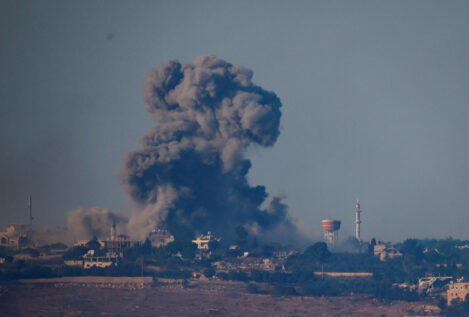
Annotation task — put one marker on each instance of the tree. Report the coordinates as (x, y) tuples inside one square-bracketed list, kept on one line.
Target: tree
[(146, 247), (75, 253), (237, 276), (317, 252), (93, 244), (186, 248), (413, 252), (209, 272), (58, 246), (371, 247), (214, 245), (445, 247), (458, 307)]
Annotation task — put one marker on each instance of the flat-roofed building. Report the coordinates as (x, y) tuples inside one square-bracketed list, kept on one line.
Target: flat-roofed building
[(90, 260), (385, 252), (203, 241), (160, 237), (457, 291), (16, 236), (120, 243)]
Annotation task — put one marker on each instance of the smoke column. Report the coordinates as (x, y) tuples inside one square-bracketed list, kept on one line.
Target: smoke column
[(94, 222), (189, 172)]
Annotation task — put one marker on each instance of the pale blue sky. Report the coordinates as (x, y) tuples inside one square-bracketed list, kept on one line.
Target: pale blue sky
[(375, 95)]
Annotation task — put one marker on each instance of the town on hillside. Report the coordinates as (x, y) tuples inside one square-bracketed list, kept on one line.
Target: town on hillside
[(430, 270)]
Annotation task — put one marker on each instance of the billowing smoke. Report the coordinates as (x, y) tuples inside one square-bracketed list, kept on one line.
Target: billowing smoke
[(189, 172), (52, 235), (86, 223)]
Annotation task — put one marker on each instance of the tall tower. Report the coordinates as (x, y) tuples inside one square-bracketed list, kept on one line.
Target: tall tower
[(113, 231), (30, 206), (357, 221), (331, 231)]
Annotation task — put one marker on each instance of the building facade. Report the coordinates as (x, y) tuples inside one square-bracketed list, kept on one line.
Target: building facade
[(203, 241), (119, 244), (385, 252), (16, 236), (160, 237), (90, 260), (457, 291)]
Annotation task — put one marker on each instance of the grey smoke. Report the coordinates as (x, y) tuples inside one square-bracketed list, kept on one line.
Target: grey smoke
[(86, 223), (189, 172), (52, 235)]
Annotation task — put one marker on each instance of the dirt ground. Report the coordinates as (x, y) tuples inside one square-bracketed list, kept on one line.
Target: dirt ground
[(212, 298)]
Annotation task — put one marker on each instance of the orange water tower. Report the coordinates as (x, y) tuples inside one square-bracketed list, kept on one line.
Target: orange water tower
[(331, 231)]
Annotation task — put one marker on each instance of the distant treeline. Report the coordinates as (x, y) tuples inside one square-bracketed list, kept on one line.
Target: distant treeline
[(178, 259)]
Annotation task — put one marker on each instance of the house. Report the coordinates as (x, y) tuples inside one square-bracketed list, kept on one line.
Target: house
[(384, 252), (457, 291), (160, 237), (120, 243), (90, 260), (203, 241), (16, 236)]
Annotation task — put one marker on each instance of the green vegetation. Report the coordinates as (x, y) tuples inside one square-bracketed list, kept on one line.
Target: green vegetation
[(457, 307), (180, 259), (209, 272), (75, 253)]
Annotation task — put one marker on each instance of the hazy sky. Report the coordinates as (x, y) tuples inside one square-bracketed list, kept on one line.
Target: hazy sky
[(375, 103)]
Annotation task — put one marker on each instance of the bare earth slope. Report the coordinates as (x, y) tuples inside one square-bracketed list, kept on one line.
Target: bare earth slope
[(200, 299)]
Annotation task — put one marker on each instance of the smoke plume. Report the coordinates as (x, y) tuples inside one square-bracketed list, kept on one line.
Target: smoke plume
[(86, 223), (189, 172)]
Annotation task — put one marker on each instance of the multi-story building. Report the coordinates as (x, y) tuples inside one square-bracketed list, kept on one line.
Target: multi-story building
[(457, 291), (203, 241), (16, 236), (119, 244), (90, 260), (160, 237)]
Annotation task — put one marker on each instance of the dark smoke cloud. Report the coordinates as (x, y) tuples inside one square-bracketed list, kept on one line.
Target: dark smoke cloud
[(189, 172), (85, 223)]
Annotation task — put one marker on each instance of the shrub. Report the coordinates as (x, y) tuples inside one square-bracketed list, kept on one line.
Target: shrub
[(209, 272), (222, 275)]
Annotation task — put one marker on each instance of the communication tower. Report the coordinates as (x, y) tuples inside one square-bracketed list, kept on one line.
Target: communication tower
[(30, 207)]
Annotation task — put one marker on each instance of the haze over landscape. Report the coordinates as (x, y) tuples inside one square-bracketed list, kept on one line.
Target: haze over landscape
[(374, 105)]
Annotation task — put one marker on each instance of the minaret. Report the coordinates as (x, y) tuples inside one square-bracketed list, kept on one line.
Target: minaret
[(113, 231), (357, 221)]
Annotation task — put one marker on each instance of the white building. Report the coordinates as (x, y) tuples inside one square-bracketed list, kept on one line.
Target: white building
[(386, 252), (160, 237), (203, 241), (90, 260), (16, 236), (457, 291)]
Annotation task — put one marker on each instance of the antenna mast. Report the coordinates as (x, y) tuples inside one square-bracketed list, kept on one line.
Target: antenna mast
[(30, 206)]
